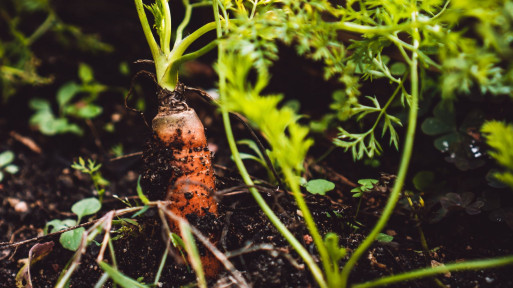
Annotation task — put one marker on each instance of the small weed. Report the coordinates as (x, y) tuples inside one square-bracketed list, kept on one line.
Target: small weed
[(84, 94), (93, 170), (366, 185), (71, 239), (6, 166)]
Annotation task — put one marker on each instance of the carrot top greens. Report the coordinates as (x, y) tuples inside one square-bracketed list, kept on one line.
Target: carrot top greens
[(167, 60)]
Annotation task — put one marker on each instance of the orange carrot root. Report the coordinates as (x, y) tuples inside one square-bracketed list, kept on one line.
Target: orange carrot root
[(187, 177)]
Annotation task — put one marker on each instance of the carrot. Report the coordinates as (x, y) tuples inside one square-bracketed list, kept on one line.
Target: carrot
[(178, 162), (181, 169)]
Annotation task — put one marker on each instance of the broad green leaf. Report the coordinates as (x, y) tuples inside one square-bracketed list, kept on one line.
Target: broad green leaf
[(6, 157), (40, 117), (71, 239), (120, 278), (398, 68), (444, 143), (382, 237), (86, 206), (85, 73), (11, 169), (58, 225), (83, 110), (319, 186), (1, 176), (66, 93), (40, 104), (423, 180), (445, 112), (435, 126), (90, 111)]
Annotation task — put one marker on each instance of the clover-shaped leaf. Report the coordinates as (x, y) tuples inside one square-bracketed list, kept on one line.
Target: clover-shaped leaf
[(86, 207), (319, 186)]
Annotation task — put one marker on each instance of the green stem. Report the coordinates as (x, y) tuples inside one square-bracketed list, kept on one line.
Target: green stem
[(185, 22), (179, 49), (389, 102), (161, 266), (403, 167), (41, 30), (310, 222), (430, 271), (165, 41), (154, 48), (310, 262), (193, 55), (167, 73)]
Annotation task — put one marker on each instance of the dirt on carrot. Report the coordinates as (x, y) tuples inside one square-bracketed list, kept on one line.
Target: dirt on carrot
[(178, 164)]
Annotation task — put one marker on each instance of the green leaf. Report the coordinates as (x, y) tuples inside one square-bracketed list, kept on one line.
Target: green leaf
[(331, 240), (71, 239), (445, 142), (319, 186), (6, 157), (66, 93), (385, 238), (356, 190), (140, 193), (423, 180), (140, 212), (85, 73), (435, 126), (11, 169), (120, 278), (40, 104), (89, 111), (367, 184), (398, 69), (1, 176), (58, 225), (86, 206)]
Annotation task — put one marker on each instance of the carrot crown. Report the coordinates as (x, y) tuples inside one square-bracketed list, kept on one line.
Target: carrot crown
[(167, 60)]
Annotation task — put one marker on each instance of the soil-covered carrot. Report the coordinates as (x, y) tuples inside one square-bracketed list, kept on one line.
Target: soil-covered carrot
[(192, 184), (178, 165)]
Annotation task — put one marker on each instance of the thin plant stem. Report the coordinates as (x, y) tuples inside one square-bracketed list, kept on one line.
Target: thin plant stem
[(154, 48), (42, 29), (403, 167), (185, 22), (161, 266), (309, 220), (310, 262), (193, 55), (192, 251), (431, 271)]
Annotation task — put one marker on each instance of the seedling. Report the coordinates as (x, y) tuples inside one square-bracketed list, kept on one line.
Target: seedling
[(366, 185), (50, 123), (6, 166), (93, 170), (71, 239)]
